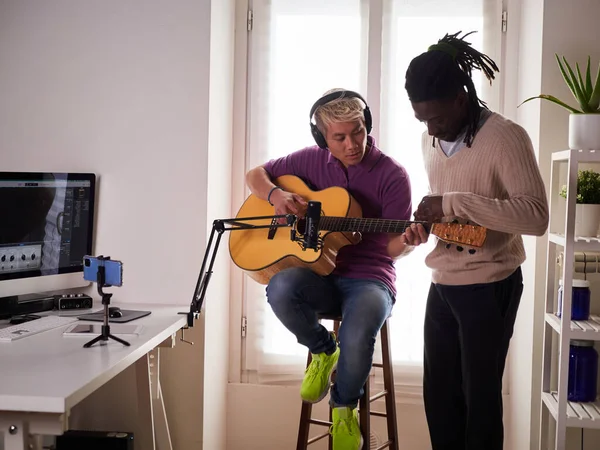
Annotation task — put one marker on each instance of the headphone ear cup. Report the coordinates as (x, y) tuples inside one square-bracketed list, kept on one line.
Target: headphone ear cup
[(368, 119), (318, 136)]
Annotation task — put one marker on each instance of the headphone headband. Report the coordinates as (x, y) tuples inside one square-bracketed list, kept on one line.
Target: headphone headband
[(318, 136)]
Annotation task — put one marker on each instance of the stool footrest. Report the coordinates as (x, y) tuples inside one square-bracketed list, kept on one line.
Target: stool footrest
[(377, 365), (386, 444), (318, 438), (324, 423), (379, 395), (378, 414)]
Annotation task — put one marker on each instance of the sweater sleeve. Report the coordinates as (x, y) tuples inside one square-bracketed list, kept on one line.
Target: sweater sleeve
[(525, 208)]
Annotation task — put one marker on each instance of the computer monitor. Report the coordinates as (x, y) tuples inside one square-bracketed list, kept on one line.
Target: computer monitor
[(46, 227)]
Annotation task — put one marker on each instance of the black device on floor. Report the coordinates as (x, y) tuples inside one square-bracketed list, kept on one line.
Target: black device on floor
[(94, 440), (127, 315)]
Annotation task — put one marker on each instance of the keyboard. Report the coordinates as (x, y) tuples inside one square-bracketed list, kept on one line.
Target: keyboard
[(22, 330)]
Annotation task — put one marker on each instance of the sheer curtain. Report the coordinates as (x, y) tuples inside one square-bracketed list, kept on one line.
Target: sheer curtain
[(297, 51)]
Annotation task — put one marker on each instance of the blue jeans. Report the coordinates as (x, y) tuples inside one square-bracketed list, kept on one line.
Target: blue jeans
[(297, 295)]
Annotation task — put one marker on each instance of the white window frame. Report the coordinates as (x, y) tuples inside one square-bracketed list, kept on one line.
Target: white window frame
[(407, 378)]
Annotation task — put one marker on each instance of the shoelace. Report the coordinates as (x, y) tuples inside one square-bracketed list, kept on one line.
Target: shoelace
[(313, 369), (342, 423)]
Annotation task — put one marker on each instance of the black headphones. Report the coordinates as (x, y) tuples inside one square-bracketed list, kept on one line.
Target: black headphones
[(317, 135)]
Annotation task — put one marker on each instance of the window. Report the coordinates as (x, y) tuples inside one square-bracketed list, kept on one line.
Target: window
[(297, 51)]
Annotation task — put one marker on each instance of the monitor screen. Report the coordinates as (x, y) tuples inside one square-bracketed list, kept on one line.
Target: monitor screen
[(46, 223)]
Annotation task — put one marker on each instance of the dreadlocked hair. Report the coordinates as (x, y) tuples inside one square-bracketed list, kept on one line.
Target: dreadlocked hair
[(444, 70)]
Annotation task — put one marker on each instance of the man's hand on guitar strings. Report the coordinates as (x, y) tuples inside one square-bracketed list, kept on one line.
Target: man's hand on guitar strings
[(415, 235), (288, 203), (430, 209)]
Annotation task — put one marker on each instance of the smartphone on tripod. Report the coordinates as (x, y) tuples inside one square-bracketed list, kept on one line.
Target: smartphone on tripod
[(113, 270)]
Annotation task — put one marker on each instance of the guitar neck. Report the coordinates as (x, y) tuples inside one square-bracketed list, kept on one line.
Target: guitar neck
[(364, 225)]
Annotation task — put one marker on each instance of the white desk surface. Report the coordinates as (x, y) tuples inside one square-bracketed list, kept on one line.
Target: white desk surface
[(50, 373)]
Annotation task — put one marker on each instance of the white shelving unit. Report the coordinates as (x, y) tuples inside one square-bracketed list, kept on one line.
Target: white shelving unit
[(565, 413)]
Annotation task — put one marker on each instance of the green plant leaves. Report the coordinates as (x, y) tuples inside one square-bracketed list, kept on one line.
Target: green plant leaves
[(554, 100), (595, 97), (585, 92), (588, 187)]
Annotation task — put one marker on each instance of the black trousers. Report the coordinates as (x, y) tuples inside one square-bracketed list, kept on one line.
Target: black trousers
[(467, 332)]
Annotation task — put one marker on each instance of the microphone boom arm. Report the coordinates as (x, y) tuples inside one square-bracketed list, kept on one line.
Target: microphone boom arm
[(219, 226)]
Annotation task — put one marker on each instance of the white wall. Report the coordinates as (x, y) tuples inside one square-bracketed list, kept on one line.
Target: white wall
[(537, 30), (124, 89), (119, 89)]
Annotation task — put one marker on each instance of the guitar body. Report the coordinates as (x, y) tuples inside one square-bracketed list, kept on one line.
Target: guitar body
[(261, 257)]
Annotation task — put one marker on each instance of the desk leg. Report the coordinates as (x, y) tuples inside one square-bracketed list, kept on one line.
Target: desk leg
[(161, 425), (16, 435), (151, 406), (145, 413)]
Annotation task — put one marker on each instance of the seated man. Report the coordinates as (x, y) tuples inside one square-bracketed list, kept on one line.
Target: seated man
[(361, 288)]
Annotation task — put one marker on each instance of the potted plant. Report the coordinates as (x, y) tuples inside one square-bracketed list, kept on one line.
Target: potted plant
[(584, 123), (587, 209)]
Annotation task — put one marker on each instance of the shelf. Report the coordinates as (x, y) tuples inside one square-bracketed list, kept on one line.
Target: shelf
[(579, 415), (582, 244), (577, 155), (587, 330)]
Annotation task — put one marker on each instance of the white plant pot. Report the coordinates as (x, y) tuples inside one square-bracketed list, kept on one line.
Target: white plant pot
[(587, 219), (584, 131)]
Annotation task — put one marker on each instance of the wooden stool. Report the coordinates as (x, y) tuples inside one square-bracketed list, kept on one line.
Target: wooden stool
[(364, 405)]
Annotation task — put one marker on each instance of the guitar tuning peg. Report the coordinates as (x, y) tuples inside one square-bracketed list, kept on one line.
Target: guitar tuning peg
[(448, 245), (459, 248), (472, 251)]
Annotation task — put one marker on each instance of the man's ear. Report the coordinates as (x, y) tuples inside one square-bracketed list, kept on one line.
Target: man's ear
[(462, 98)]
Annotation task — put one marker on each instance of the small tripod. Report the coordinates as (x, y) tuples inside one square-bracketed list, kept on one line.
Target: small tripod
[(105, 336)]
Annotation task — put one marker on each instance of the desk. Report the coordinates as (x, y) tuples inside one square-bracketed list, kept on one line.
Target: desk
[(43, 376)]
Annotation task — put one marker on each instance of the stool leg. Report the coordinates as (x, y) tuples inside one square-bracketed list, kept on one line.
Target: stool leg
[(336, 330), (305, 414), (388, 382), (364, 412)]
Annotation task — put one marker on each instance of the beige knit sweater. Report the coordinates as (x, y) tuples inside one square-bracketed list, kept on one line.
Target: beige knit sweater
[(496, 183)]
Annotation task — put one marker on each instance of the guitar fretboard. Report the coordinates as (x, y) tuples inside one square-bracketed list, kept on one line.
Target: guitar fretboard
[(364, 225)]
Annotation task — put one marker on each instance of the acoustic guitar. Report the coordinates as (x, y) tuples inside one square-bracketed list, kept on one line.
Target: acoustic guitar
[(263, 252)]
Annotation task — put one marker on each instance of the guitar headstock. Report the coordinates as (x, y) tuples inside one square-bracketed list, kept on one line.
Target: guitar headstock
[(457, 233)]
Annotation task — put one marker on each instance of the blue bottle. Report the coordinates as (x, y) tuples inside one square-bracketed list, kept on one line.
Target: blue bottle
[(580, 299), (583, 371)]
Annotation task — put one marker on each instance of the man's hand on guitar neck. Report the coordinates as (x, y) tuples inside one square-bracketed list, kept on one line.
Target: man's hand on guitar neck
[(288, 203), (430, 209), (414, 235)]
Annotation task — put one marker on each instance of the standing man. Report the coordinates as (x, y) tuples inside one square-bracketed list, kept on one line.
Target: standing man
[(362, 287), (482, 170)]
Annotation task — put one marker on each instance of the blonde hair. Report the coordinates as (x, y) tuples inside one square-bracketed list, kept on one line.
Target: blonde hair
[(342, 109)]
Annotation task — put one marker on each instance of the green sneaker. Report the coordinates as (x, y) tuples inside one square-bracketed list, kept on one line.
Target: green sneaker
[(345, 429), (317, 377)]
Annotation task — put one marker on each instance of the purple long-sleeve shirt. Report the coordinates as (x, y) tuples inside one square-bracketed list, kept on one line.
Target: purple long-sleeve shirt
[(379, 184)]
